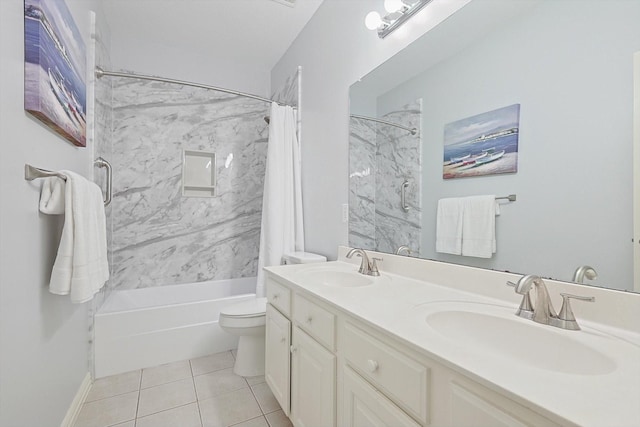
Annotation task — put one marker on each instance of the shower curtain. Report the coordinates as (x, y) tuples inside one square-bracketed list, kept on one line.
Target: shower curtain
[(282, 228)]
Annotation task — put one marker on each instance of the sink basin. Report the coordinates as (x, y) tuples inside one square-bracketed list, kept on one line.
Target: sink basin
[(339, 278), (497, 332)]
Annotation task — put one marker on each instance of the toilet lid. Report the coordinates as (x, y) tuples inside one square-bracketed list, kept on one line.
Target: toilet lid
[(254, 307)]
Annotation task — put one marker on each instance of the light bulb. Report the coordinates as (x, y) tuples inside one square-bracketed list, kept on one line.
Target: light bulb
[(392, 6), (373, 20)]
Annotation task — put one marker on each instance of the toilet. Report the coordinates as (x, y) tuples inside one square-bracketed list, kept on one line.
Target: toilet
[(247, 320)]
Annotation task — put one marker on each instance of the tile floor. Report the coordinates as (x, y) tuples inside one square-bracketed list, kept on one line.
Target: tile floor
[(201, 392)]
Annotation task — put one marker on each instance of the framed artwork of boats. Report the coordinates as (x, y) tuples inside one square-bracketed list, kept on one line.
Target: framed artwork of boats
[(55, 69), (485, 144)]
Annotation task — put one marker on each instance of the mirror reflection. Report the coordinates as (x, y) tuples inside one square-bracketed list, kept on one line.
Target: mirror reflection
[(568, 65)]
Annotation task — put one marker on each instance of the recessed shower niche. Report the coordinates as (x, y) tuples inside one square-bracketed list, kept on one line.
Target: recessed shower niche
[(198, 174)]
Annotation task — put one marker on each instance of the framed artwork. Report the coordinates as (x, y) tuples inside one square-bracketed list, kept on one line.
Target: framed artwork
[(485, 144), (55, 69)]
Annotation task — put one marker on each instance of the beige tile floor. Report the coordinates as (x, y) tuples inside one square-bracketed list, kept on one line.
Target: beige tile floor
[(201, 392)]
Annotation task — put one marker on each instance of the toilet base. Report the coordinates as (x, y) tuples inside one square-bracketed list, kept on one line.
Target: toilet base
[(250, 356)]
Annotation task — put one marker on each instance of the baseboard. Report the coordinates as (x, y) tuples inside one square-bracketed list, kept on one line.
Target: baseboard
[(78, 401)]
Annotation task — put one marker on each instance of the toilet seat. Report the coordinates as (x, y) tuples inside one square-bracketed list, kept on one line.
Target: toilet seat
[(248, 314), (252, 308)]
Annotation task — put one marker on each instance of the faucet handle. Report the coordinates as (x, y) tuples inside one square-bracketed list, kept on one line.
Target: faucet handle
[(566, 315), (526, 308), (373, 269)]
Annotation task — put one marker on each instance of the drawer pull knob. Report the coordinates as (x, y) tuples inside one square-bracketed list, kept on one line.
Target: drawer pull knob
[(293, 349), (372, 365), (276, 296), (283, 339), (309, 319)]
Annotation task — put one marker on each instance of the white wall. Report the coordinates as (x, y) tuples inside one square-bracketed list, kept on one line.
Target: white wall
[(335, 49), (43, 337), (139, 56)]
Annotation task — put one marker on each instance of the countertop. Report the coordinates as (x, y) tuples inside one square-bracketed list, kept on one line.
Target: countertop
[(397, 305)]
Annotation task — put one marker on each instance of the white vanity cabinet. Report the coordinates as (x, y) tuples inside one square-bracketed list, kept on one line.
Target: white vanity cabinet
[(302, 377), (313, 379), (327, 367), (277, 371)]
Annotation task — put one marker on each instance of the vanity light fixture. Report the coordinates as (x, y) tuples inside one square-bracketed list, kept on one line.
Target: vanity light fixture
[(398, 12)]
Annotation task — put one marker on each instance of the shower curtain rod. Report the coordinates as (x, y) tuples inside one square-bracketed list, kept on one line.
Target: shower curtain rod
[(101, 73), (413, 131)]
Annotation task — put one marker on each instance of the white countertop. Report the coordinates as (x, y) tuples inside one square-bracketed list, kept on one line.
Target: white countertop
[(398, 305)]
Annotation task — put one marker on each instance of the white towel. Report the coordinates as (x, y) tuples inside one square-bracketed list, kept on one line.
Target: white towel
[(479, 226), (449, 226), (81, 266), (52, 196)]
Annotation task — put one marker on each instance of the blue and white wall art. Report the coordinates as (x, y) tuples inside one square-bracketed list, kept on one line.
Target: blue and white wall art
[(55, 69), (485, 144)]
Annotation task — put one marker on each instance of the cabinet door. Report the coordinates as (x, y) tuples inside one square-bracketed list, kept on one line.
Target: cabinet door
[(277, 356), (313, 379), (472, 405), (364, 406)]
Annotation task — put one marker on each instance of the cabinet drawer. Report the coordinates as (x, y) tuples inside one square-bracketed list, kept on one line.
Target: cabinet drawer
[(279, 296), (399, 377), (315, 320)]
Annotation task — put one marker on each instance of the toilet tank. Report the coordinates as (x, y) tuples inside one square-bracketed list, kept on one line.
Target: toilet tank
[(302, 258)]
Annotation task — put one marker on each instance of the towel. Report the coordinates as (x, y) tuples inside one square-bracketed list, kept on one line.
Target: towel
[(81, 266), (479, 226), (52, 196), (449, 226)]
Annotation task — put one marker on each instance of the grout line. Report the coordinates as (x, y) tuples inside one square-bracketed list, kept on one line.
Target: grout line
[(256, 399), (139, 393), (165, 410), (250, 419)]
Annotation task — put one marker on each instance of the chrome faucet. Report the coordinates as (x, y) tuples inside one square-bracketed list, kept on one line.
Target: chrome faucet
[(367, 267), (584, 271), (543, 311), (404, 248)]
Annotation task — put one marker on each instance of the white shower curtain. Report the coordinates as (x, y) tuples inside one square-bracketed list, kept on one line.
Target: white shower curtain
[(282, 229)]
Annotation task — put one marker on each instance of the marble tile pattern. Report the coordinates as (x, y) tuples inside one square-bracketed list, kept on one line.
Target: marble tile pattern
[(399, 158), (381, 157), (288, 93), (159, 236), (99, 137), (362, 183)]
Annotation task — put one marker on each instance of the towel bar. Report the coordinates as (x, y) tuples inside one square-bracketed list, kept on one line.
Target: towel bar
[(31, 173), (510, 197)]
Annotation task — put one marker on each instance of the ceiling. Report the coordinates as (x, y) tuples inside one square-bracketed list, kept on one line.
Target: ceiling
[(258, 29)]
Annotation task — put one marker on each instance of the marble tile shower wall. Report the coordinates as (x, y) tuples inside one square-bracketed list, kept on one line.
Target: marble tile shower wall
[(381, 157), (399, 158), (99, 134), (362, 183), (159, 237)]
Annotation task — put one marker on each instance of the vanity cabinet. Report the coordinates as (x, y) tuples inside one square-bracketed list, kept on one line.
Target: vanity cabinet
[(327, 368), (313, 378), (277, 361), (300, 364), (364, 406)]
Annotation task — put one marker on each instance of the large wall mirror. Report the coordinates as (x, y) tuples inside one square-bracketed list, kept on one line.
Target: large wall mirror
[(569, 66)]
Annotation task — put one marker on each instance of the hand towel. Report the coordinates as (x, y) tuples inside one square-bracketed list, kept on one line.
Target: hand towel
[(81, 266), (479, 226), (449, 226), (52, 196)]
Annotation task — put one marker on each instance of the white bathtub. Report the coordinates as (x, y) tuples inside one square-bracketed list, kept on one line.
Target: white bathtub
[(141, 328)]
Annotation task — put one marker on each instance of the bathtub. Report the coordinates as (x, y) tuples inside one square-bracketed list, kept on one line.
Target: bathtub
[(141, 328)]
